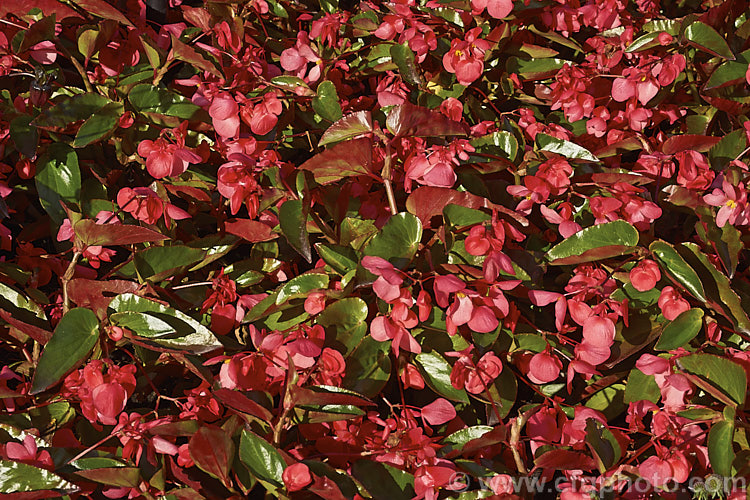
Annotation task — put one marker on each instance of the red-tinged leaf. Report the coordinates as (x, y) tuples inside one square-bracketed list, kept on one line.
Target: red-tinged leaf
[(186, 53), (103, 9), (612, 178), (96, 295), (410, 120), (345, 159), (39, 334), (426, 202), (239, 402), (212, 450), (124, 477), (327, 395), (439, 412), (179, 428), (629, 144), (197, 17), (48, 7), (700, 143), (250, 230), (348, 127), (565, 460), (683, 197), (92, 234), (42, 30)]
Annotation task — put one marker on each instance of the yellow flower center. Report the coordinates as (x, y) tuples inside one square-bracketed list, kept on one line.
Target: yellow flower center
[(459, 53), (731, 203), (644, 78), (460, 295)]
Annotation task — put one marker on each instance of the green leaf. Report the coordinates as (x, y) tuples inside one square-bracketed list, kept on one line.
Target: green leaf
[(564, 148), (71, 109), (58, 178), (17, 477), (721, 373), (609, 400), (404, 58), (534, 69), (458, 215), (645, 42), (676, 267), (603, 444), (720, 449), (25, 136), (142, 324), (383, 481), (326, 103), (190, 334), (262, 458), (292, 84), (705, 38), (397, 241), (502, 143), (368, 368), (159, 262), (348, 127), (148, 99), (729, 72), (347, 318), (723, 298), (342, 259), (681, 330), (186, 53), (728, 148), (595, 243), (301, 285), (641, 387), (457, 440), (124, 477), (293, 221), (73, 339), (99, 125), (436, 372)]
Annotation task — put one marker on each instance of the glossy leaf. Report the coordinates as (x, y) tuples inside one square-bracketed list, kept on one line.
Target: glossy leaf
[(326, 103), (124, 477), (602, 241), (190, 334), (99, 125), (705, 38), (436, 372), (676, 267), (103, 9), (397, 241), (73, 338), (404, 58), (341, 259), (384, 481), (725, 375), (188, 54), (293, 221), (348, 127), (71, 109), (410, 120), (368, 367), (24, 135), (300, 286), (147, 99), (346, 159), (160, 262), (92, 234), (720, 449), (564, 148), (681, 330), (346, 318), (212, 450), (58, 178), (264, 462), (17, 477)]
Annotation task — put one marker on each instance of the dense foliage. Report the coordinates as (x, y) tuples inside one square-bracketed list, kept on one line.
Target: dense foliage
[(381, 250)]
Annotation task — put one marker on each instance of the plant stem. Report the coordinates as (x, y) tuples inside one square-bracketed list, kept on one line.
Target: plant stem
[(387, 179), (69, 272)]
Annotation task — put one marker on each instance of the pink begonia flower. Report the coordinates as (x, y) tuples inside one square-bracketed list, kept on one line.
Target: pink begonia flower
[(474, 378), (465, 58), (635, 83), (225, 115), (498, 9), (645, 275), (671, 303), (296, 476), (733, 203), (438, 412), (387, 285), (544, 368)]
